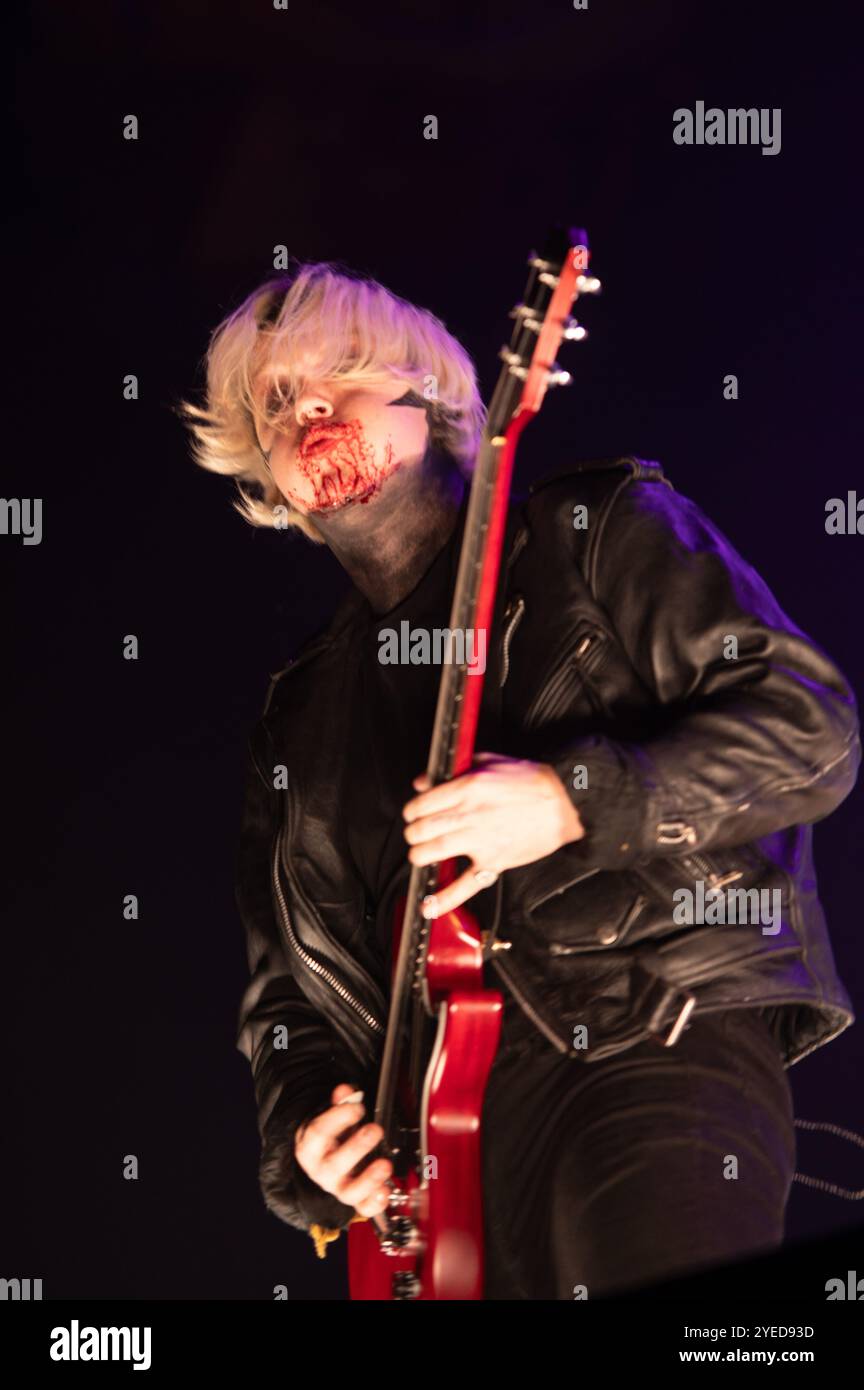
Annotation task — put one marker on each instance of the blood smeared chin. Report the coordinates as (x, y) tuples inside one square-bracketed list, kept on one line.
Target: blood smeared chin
[(343, 470)]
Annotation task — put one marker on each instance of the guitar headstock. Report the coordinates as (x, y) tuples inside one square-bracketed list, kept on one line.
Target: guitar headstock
[(557, 277)]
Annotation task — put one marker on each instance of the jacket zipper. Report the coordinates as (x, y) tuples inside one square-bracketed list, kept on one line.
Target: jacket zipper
[(547, 699), (315, 965), (702, 865), (517, 607), (676, 832), (710, 873)]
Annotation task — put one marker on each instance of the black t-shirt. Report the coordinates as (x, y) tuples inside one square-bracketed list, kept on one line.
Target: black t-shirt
[(392, 720), (391, 729)]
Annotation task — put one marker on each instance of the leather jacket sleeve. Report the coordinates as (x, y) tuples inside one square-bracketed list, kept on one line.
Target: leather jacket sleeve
[(740, 747), (296, 1059)]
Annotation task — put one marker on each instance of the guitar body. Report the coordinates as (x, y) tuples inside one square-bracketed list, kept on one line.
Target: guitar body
[(445, 1203)]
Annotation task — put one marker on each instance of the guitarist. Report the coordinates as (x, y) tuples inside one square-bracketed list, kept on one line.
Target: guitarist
[(625, 1076)]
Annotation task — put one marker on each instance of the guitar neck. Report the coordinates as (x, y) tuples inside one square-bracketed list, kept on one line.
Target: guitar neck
[(541, 322), (460, 690)]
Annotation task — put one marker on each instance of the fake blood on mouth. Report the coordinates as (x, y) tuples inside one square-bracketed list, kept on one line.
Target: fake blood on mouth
[(350, 466)]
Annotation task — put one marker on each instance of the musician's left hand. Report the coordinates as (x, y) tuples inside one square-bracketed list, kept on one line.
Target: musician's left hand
[(503, 813)]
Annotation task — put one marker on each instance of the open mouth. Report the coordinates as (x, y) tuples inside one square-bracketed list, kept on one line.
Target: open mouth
[(339, 464), (318, 446), (320, 441)]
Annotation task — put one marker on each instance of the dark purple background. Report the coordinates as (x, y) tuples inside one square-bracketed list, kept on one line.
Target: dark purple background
[(305, 128)]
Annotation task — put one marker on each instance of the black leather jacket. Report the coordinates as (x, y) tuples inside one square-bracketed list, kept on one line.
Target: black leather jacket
[(613, 656)]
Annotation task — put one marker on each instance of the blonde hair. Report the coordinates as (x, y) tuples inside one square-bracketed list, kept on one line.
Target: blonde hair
[(347, 326)]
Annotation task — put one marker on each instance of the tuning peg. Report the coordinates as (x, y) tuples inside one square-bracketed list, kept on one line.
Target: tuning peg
[(528, 317), (558, 377), (574, 332), (588, 284), (514, 362)]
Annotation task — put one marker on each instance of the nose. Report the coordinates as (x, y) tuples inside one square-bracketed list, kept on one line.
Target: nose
[(312, 406)]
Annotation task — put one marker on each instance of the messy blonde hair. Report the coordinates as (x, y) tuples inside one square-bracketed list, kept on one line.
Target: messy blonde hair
[(349, 327)]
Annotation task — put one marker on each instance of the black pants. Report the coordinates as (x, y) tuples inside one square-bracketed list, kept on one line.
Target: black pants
[(618, 1173)]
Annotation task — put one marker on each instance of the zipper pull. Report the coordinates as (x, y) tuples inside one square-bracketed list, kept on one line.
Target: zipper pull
[(675, 832)]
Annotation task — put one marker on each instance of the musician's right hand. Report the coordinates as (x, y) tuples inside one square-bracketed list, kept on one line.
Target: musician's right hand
[(329, 1161)]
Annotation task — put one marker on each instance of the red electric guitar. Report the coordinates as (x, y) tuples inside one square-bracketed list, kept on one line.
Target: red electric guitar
[(444, 1025)]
